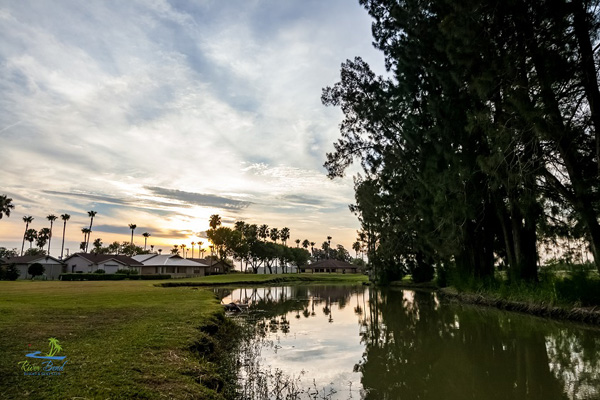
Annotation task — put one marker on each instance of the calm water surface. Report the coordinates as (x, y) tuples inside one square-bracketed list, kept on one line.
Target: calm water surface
[(335, 342)]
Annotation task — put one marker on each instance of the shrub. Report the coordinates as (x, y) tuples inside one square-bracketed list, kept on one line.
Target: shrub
[(126, 272), (109, 277), (36, 269), (100, 271), (11, 272)]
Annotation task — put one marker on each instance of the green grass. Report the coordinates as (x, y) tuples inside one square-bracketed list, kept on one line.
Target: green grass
[(122, 339), (262, 279)]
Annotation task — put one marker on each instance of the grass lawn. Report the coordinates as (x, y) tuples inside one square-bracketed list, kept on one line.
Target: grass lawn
[(122, 339)]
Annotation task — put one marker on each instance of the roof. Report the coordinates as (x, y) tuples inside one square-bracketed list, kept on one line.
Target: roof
[(100, 258), (29, 259), (166, 259), (208, 262), (333, 264)]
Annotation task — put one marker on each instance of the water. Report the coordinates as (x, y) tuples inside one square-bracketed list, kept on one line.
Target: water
[(320, 342)]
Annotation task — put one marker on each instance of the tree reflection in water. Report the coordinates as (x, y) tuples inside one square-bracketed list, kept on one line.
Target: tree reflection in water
[(407, 346)]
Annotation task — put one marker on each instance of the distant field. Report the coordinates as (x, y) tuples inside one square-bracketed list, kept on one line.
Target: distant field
[(122, 339)]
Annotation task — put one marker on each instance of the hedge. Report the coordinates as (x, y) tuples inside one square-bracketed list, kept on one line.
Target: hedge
[(109, 277)]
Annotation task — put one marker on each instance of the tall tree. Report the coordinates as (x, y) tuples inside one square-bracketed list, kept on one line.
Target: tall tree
[(214, 221), (50, 218), (274, 234), (27, 219), (146, 235), (65, 218), (91, 214), (5, 205), (297, 242), (263, 231), (132, 227), (284, 235), (193, 244), (31, 235)]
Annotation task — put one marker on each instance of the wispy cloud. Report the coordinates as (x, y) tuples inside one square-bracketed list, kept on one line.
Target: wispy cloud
[(162, 114)]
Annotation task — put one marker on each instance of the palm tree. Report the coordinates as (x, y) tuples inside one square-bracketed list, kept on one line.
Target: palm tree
[(27, 219), (132, 227), (297, 242), (30, 236), (284, 235), (91, 214), (328, 245), (263, 231), (312, 248), (239, 226), (146, 235), (5, 205), (175, 249), (183, 246), (65, 218), (42, 237), (214, 221), (274, 234), (193, 243), (356, 247), (305, 244), (51, 218), (201, 250), (86, 232)]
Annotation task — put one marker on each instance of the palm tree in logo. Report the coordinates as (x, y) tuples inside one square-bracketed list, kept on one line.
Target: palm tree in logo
[(55, 347)]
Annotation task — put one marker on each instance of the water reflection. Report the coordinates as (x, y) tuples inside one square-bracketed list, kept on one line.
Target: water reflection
[(346, 342)]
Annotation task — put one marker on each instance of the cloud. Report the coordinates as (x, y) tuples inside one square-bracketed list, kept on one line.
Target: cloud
[(200, 199)]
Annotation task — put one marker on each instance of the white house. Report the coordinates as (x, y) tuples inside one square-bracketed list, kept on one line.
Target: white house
[(53, 267), (171, 264), (110, 263)]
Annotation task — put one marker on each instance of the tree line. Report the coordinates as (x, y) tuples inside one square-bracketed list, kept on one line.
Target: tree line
[(482, 143)]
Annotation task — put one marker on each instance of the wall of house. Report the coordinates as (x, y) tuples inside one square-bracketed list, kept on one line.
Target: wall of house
[(53, 270)]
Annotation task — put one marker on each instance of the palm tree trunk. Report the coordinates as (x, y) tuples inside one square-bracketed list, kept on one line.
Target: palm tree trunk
[(62, 247), (23, 245)]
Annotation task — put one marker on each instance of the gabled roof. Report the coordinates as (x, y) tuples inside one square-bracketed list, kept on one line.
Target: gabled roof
[(30, 259), (332, 264), (167, 259), (100, 258)]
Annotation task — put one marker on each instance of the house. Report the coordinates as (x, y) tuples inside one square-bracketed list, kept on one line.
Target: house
[(331, 266), (174, 265), (215, 267), (110, 263), (53, 267)]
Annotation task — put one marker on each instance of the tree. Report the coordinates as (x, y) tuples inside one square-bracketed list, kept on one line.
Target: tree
[(146, 235), (30, 236), (34, 251), (175, 249), (65, 218), (5, 205), (6, 253), (193, 244), (98, 246), (284, 235), (215, 221), (305, 243), (328, 245), (27, 219), (263, 231), (86, 234), (10, 272), (50, 218), (132, 227), (274, 234), (42, 237), (356, 247), (36, 269), (297, 242), (182, 247), (91, 214)]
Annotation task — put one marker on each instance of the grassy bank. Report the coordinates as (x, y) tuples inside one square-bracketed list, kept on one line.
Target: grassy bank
[(122, 339), (266, 279)]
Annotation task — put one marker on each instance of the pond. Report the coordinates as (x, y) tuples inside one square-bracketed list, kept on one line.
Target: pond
[(341, 342)]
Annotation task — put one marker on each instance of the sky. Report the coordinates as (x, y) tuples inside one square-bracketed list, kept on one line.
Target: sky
[(161, 113)]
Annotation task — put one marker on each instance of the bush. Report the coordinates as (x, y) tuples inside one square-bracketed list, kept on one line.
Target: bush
[(100, 271), (110, 277), (11, 272), (579, 288), (36, 269), (126, 272)]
